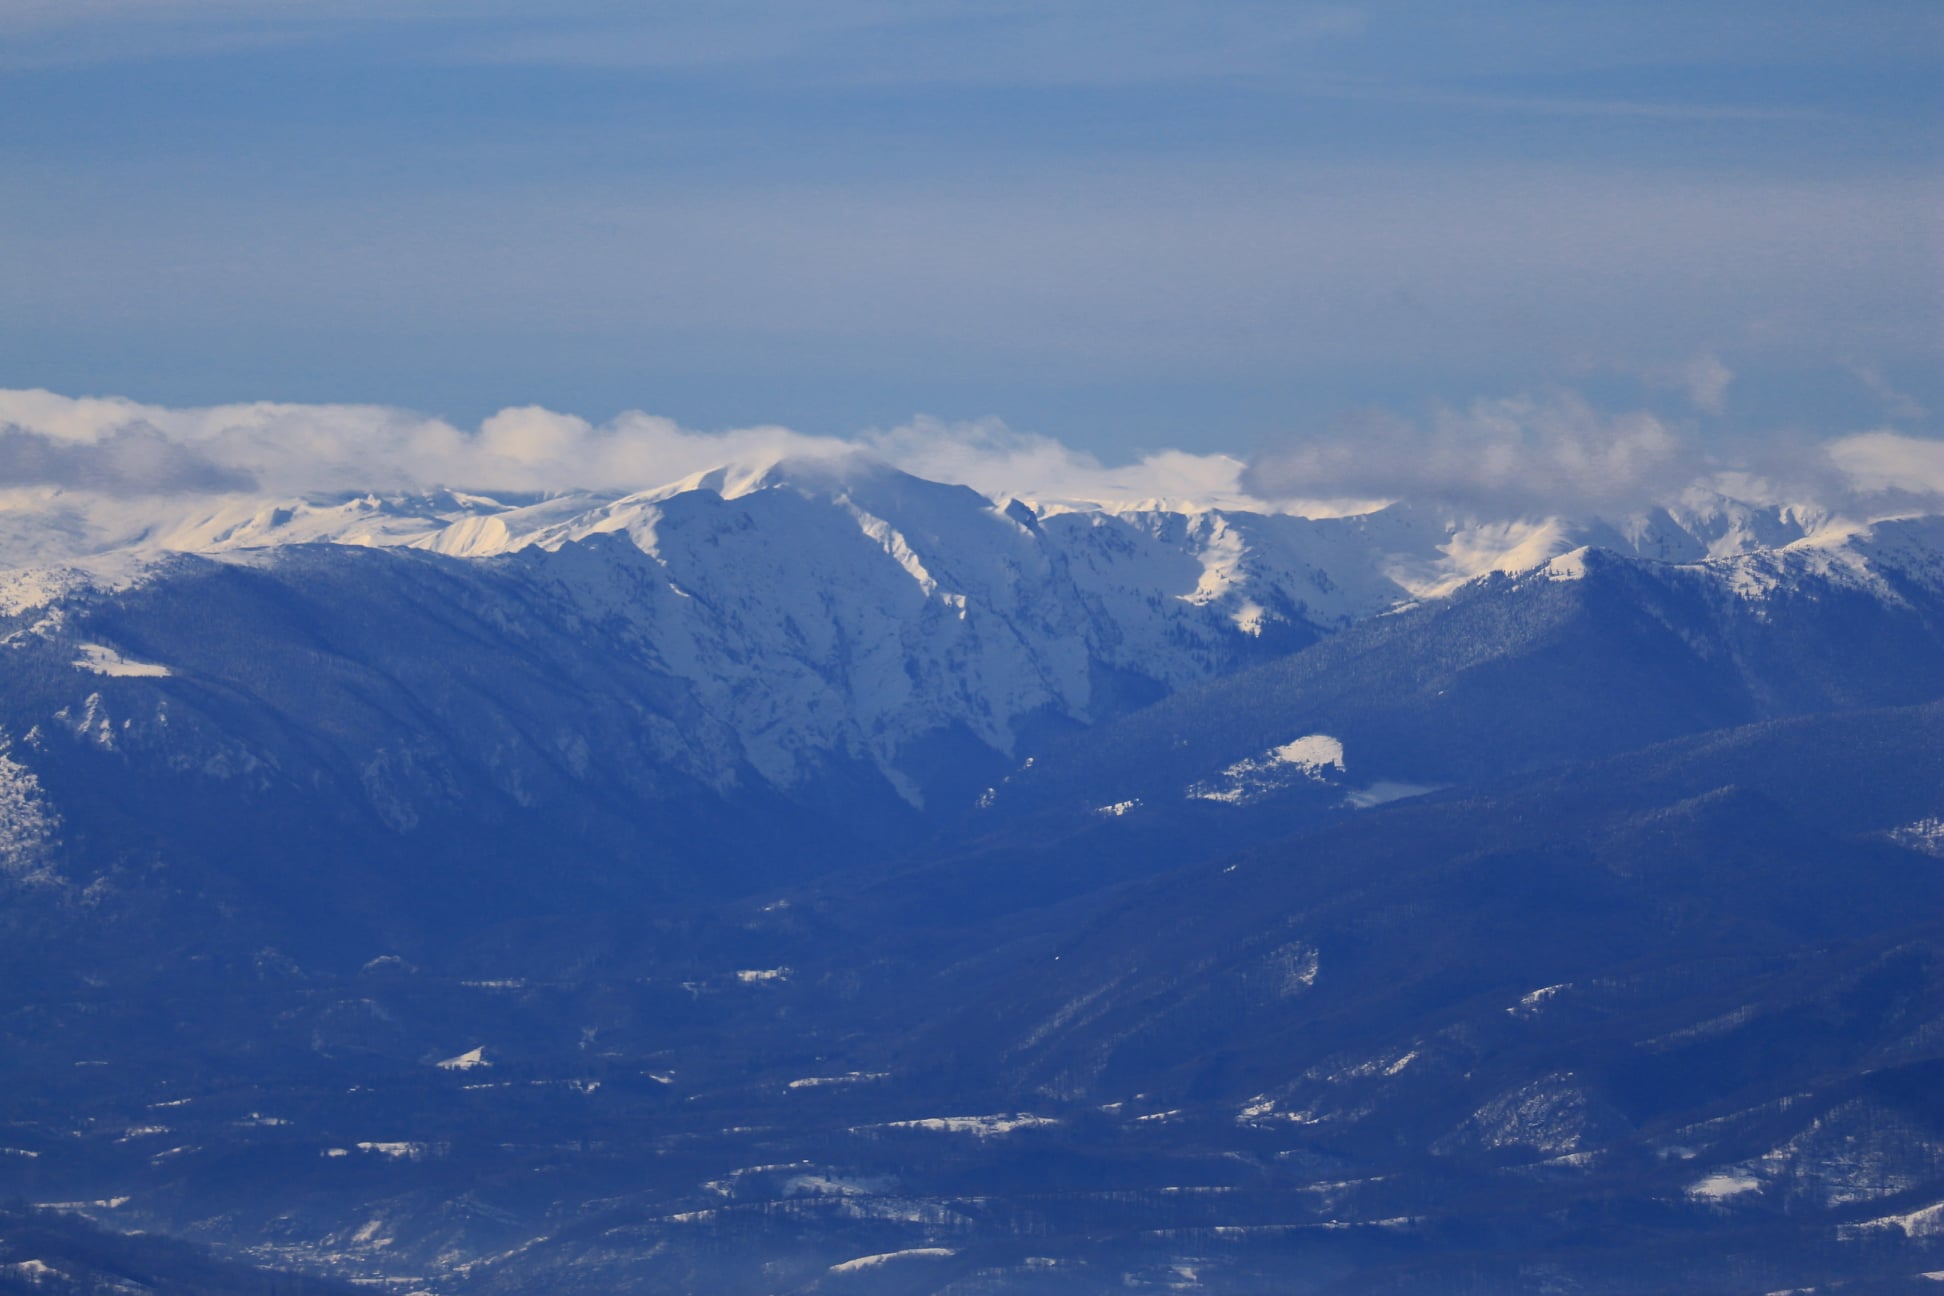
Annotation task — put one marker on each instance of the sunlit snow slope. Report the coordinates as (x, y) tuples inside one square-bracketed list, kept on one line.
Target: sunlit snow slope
[(806, 613)]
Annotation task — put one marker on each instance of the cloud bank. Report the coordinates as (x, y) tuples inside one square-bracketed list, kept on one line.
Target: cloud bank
[(1520, 453), (133, 459), (121, 447), (1520, 456), (1888, 463), (1557, 453)]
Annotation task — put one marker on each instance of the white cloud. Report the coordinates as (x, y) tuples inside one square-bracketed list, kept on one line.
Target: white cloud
[(1705, 380), (1533, 456), (533, 436), (1510, 457), (1516, 454), (294, 449), (1702, 379), (133, 459), (1886, 462), (298, 449), (991, 457)]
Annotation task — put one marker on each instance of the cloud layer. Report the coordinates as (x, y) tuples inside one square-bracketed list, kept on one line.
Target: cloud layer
[(116, 446), (1520, 454), (1517, 456), (1558, 453), (130, 459)]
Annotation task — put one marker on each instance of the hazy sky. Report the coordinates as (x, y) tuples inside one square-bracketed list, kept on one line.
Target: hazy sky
[(1128, 225)]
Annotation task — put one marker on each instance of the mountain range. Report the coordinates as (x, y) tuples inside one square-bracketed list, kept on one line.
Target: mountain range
[(806, 876)]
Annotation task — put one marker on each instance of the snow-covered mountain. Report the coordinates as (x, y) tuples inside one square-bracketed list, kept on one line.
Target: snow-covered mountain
[(826, 611), (805, 862)]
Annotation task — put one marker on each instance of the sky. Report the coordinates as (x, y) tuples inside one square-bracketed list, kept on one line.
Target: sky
[(1260, 230)]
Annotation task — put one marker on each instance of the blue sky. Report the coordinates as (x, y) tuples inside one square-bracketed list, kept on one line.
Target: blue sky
[(1128, 225)]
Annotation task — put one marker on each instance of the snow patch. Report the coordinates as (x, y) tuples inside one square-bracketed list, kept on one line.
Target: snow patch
[(1294, 967), (1925, 1222), (397, 1150), (1530, 1003), (886, 1257), (826, 1185), (979, 1126), (1385, 1065), (1311, 753), (27, 823), (1305, 759), (848, 1078), (1262, 1109), (1385, 791), (103, 660), (1570, 566), (1718, 1187), (1926, 835)]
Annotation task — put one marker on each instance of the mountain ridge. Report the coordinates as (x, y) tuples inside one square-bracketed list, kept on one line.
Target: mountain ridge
[(800, 869), (839, 608)]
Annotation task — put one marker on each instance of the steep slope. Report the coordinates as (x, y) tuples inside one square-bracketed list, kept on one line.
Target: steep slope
[(836, 613), (1590, 654), (392, 742), (590, 894), (772, 628)]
